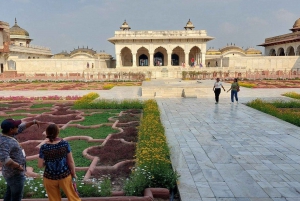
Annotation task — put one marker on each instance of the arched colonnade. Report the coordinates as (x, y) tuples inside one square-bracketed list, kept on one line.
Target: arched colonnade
[(289, 51), (160, 56)]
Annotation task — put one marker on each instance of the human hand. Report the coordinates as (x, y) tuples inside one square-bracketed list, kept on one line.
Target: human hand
[(20, 167), (37, 123)]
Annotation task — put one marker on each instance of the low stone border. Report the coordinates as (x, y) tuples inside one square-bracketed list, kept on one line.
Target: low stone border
[(149, 195)]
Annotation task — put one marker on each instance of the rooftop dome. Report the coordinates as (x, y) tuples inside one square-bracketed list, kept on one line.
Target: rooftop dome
[(296, 26), (103, 55), (189, 25), (125, 26), (65, 53), (83, 50), (17, 30), (252, 50), (213, 51)]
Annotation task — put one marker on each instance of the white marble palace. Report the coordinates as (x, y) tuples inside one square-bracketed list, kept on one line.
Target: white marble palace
[(157, 53), (159, 48)]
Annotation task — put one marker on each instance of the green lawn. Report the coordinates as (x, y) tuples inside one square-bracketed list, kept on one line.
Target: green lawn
[(96, 133)]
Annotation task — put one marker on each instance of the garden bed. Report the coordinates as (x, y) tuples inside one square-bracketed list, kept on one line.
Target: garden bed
[(113, 152), (270, 83), (64, 85)]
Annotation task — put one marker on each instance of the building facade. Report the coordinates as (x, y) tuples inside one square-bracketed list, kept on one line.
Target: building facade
[(159, 48), (284, 45), (4, 45)]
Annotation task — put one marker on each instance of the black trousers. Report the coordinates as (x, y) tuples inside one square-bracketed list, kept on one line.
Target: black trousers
[(217, 94)]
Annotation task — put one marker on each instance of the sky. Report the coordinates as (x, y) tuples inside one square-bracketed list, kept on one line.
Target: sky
[(67, 24)]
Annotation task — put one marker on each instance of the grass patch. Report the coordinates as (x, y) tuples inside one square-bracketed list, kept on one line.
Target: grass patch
[(77, 147), (292, 95), (273, 108), (96, 133), (95, 119), (34, 165), (12, 117), (3, 105), (41, 105), (28, 111)]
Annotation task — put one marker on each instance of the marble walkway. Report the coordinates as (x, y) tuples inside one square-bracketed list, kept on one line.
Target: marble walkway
[(230, 151), (224, 151)]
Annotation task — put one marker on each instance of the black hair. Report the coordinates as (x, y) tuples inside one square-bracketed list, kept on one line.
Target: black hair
[(52, 132)]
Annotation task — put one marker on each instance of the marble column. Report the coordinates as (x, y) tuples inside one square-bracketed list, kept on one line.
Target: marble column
[(203, 59), (186, 60), (169, 60), (134, 60), (151, 60), (118, 61)]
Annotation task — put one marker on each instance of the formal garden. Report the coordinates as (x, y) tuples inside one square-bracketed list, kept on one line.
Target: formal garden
[(119, 147), (63, 85)]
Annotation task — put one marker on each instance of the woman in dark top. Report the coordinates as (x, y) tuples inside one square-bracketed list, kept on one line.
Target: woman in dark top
[(56, 156)]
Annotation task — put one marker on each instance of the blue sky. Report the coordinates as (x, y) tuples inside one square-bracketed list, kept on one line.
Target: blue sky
[(67, 24)]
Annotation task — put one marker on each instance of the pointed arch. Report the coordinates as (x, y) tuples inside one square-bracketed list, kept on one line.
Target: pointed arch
[(160, 57), (143, 56), (126, 56), (280, 52), (272, 52), (290, 51), (177, 56), (194, 55)]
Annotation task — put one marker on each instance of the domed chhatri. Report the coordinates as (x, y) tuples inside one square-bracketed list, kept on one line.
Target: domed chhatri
[(252, 51), (125, 26), (17, 30), (189, 25), (296, 26)]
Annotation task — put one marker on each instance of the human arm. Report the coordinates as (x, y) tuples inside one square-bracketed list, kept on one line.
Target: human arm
[(25, 125), (41, 163), (9, 158), (14, 165), (223, 87), (71, 164), (229, 89)]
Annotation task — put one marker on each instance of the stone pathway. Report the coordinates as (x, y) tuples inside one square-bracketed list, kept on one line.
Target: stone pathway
[(230, 151), (224, 151)]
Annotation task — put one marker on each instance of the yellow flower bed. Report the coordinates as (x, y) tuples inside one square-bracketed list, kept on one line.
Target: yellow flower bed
[(86, 98), (153, 165), (108, 86)]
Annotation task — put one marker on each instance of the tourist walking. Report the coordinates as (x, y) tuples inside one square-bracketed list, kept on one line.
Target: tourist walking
[(235, 88), (13, 158), (56, 156), (217, 89)]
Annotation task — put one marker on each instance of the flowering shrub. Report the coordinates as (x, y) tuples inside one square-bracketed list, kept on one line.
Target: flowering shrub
[(292, 95), (153, 165), (246, 84), (86, 99), (108, 86)]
